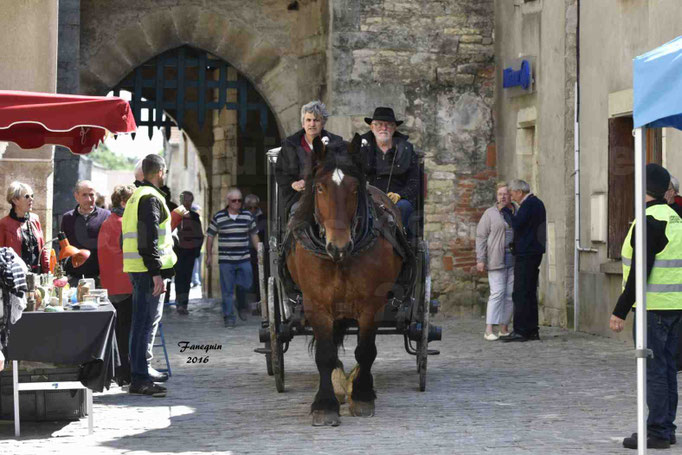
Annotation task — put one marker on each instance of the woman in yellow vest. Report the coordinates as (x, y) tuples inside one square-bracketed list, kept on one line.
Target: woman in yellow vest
[(148, 257), (664, 307)]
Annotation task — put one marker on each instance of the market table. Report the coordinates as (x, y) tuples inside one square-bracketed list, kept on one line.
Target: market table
[(86, 338)]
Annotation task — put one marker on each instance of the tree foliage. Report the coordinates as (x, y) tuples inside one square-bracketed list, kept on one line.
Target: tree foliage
[(110, 160)]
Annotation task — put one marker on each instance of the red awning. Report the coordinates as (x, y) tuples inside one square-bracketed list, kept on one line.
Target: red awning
[(79, 123)]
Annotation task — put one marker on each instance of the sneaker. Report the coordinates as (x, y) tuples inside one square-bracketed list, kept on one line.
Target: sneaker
[(502, 334), (147, 388), (157, 376), (490, 336), (652, 442), (243, 314), (230, 323)]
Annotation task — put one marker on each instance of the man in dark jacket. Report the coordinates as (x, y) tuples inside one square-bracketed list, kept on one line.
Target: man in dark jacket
[(293, 163), (663, 306), (530, 234), (392, 164), (149, 258), (81, 226)]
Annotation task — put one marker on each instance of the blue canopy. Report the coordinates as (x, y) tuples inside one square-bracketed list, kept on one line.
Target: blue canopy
[(658, 87)]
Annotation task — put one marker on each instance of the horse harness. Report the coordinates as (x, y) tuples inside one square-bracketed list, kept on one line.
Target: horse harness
[(371, 221)]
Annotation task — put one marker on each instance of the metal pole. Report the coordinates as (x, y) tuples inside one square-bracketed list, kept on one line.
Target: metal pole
[(641, 278), (15, 391)]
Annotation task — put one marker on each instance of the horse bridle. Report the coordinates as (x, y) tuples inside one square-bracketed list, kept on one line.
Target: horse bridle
[(320, 226)]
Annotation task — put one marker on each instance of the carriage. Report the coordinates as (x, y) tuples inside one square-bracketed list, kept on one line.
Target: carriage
[(282, 312)]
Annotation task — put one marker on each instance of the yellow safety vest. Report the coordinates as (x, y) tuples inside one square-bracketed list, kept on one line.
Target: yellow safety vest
[(664, 287), (132, 261)]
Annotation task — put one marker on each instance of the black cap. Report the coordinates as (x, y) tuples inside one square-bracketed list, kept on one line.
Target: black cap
[(657, 180), (384, 114)]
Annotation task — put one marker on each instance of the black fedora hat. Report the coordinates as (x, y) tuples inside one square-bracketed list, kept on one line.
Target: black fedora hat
[(384, 114)]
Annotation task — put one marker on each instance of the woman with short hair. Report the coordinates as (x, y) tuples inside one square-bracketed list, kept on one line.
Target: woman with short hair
[(494, 235), (21, 230)]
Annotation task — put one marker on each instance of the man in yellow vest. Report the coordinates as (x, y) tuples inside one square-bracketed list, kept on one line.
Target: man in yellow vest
[(663, 304), (148, 258)]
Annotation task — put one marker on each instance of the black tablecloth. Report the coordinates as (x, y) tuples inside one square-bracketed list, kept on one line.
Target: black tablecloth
[(86, 338)]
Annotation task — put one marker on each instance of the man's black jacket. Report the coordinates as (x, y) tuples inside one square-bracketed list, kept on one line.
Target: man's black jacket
[(530, 227), (400, 165), (656, 240), (151, 212)]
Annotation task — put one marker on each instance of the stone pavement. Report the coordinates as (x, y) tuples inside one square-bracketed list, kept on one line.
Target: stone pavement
[(570, 393)]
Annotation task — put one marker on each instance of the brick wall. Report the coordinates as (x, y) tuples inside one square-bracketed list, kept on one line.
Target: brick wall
[(433, 62)]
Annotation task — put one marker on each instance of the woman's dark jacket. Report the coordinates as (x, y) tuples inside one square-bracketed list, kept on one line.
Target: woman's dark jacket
[(292, 165), (404, 179)]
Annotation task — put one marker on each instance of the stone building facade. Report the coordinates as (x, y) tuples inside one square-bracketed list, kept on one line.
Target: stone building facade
[(432, 61), (28, 61), (534, 130)]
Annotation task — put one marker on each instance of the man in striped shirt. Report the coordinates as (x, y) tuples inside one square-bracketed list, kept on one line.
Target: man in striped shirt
[(235, 228)]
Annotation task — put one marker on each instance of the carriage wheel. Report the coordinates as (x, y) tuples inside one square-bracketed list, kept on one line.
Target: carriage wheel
[(423, 344), (276, 351)]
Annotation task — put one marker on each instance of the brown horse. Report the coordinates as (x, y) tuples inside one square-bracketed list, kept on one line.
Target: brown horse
[(341, 285)]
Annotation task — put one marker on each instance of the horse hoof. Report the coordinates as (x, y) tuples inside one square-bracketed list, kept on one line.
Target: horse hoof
[(326, 419), (362, 408)]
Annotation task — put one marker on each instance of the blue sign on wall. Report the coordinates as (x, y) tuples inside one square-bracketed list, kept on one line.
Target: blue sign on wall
[(518, 78)]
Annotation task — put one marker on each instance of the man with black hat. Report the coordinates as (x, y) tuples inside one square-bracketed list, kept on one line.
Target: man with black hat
[(663, 304), (392, 164)]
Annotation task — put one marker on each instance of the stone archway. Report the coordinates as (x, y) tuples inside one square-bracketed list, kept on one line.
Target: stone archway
[(267, 47), (261, 41)]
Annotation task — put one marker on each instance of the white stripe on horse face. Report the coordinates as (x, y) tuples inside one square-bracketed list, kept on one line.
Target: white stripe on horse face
[(337, 176)]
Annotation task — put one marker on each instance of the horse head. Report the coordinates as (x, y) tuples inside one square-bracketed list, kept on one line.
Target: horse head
[(338, 183)]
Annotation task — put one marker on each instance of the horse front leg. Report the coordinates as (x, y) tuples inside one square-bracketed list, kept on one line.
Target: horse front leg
[(362, 396), (325, 407)]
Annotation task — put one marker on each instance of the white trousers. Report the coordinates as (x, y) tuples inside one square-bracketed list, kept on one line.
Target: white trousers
[(500, 306)]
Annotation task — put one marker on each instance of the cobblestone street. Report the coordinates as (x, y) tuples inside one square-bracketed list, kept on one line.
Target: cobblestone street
[(567, 394)]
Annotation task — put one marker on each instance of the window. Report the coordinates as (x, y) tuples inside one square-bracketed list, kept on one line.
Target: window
[(621, 185)]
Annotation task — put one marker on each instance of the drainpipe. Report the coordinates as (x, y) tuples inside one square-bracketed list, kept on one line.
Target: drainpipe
[(576, 153)]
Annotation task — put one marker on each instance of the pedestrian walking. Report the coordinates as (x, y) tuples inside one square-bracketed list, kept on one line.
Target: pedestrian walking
[(251, 203), (663, 305), (149, 258), (235, 228), (190, 240), (530, 234), (494, 235)]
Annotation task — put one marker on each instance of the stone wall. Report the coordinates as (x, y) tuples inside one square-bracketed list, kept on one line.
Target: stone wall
[(28, 61), (433, 62)]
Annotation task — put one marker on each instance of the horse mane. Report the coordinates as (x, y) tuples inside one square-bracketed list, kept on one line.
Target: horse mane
[(343, 155)]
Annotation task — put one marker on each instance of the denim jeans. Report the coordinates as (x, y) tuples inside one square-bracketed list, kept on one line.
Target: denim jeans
[(406, 210), (661, 372), (147, 312), (231, 275)]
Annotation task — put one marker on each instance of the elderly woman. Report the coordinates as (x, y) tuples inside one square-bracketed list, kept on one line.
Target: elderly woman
[(293, 162), (21, 229), (494, 235), (114, 280)]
